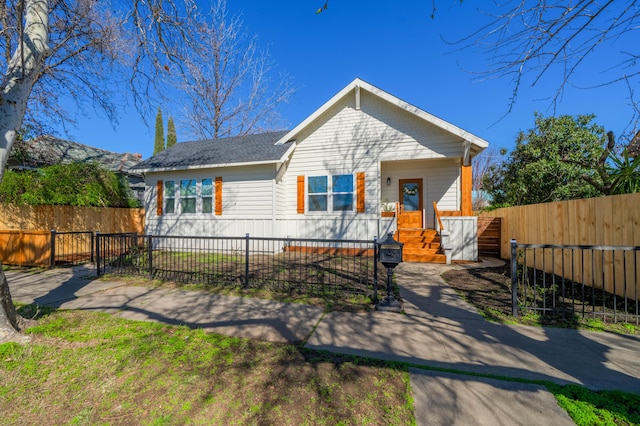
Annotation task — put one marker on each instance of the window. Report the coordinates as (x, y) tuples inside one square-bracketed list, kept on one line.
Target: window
[(188, 196), (207, 195), (342, 189), (338, 197), (317, 193), (169, 197)]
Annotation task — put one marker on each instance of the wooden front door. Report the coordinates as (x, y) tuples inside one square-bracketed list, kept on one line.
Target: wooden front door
[(411, 208)]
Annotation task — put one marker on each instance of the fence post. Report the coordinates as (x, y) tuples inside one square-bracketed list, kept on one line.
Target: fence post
[(52, 260), (375, 269), (246, 262), (150, 255), (98, 253), (93, 242), (514, 278)]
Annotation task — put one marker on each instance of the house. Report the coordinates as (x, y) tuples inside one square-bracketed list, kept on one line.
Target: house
[(47, 150), (364, 164)]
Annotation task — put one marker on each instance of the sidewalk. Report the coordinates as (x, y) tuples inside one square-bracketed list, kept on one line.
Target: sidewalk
[(438, 329)]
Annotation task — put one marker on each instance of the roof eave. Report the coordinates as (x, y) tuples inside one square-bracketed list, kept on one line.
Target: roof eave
[(207, 166)]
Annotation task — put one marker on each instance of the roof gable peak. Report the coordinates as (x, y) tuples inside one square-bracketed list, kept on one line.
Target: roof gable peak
[(358, 84)]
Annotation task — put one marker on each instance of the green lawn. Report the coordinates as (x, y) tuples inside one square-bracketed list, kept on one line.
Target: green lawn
[(93, 368)]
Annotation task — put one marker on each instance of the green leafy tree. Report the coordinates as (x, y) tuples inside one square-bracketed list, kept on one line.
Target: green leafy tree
[(158, 145), (172, 139), (551, 162)]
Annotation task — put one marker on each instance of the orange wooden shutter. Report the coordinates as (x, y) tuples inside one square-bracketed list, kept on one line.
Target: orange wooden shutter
[(218, 195), (159, 197), (300, 194), (360, 192)]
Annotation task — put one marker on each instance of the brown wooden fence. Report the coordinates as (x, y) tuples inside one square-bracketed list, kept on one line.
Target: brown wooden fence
[(25, 248), (606, 221), (489, 229), (69, 218), (25, 231)]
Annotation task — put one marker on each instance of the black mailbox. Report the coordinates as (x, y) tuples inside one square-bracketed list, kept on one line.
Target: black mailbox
[(390, 255), (390, 252)]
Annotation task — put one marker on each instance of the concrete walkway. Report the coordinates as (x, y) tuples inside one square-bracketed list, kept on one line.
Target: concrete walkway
[(438, 329)]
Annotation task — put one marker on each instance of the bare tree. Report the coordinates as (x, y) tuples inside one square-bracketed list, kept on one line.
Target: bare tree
[(231, 83), (527, 40), (481, 166), (89, 52)]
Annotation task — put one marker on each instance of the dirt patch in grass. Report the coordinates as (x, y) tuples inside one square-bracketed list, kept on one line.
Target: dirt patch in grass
[(489, 291)]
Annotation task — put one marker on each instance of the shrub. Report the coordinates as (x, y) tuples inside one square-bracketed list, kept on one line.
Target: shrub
[(75, 184)]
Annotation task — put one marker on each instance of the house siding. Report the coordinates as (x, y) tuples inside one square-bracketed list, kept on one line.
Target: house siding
[(247, 204), (347, 141)]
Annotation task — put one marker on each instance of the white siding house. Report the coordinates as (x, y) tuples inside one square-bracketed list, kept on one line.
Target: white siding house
[(335, 175)]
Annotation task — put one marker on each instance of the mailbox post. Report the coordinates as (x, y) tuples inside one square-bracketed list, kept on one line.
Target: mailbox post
[(390, 252)]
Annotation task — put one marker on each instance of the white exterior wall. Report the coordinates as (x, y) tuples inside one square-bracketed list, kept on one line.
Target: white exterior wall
[(347, 141), (464, 236), (247, 204)]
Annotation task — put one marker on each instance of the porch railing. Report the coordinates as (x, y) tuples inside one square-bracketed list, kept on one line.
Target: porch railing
[(437, 214), (587, 281)]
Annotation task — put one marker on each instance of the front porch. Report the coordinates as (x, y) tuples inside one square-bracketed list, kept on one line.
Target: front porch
[(421, 244), (426, 204)]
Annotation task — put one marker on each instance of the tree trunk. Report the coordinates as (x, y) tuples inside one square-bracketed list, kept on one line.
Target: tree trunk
[(18, 82), (9, 325)]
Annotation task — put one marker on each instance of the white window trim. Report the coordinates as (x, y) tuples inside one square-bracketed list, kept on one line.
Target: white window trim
[(330, 194)]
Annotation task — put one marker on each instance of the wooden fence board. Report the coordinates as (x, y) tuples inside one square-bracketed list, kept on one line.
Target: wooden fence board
[(70, 218), (604, 221), (489, 236), (25, 248), (27, 239)]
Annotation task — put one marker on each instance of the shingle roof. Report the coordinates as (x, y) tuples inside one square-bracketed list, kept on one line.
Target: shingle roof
[(218, 152)]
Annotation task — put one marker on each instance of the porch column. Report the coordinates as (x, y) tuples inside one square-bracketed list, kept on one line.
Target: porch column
[(466, 207)]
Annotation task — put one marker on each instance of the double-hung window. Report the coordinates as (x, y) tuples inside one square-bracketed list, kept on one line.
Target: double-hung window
[(169, 196), (342, 192), (188, 196), (330, 193), (318, 193), (206, 191)]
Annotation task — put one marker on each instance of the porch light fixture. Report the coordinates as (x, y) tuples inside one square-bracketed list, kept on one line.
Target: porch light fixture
[(388, 181)]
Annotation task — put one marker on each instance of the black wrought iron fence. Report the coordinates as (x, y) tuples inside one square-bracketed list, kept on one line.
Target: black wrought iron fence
[(589, 281), (71, 248), (311, 266)]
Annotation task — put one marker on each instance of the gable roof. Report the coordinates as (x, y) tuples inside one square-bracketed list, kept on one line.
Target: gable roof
[(274, 147), (357, 85), (233, 151), (48, 150)]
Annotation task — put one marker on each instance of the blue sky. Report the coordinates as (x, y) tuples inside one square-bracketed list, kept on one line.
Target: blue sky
[(397, 47)]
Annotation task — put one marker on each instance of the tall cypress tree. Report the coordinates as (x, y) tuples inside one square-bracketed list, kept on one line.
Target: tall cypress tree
[(172, 139), (159, 142)]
